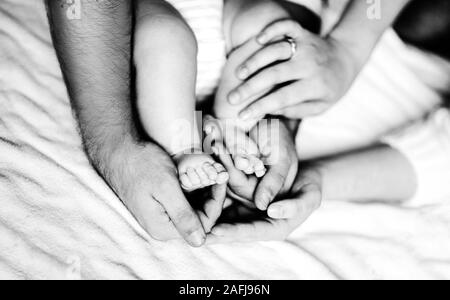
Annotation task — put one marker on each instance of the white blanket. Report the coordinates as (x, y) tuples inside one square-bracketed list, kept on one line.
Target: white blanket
[(58, 219)]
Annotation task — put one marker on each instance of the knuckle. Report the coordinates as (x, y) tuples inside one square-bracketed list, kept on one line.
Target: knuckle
[(309, 66), (275, 74), (309, 51), (182, 216)]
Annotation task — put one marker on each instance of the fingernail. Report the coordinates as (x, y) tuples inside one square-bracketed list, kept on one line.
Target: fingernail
[(243, 73), (197, 239), (261, 206), (234, 98), (275, 212), (262, 203)]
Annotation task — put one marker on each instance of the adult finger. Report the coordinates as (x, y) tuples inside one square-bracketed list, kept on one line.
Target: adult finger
[(303, 110), (154, 219), (259, 231), (267, 56), (183, 216), (287, 96), (262, 82), (213, 207), (272, 183), (282, 28), (300, 208), (239, 182)]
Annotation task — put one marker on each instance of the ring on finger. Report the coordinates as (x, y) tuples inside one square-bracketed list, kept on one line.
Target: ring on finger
[(293, 43)]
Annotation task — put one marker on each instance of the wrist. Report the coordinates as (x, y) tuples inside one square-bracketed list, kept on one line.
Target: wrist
[(107, 151), (361, 48)]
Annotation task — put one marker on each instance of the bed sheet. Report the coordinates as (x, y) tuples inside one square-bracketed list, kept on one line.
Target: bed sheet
[(58, 219)]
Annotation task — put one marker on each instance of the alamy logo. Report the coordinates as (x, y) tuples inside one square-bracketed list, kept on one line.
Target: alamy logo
[(73, 11), (374, 10)]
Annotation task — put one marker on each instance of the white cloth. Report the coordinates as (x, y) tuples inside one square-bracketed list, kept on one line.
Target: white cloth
[(58, 217), (205, 19), (427, 146)]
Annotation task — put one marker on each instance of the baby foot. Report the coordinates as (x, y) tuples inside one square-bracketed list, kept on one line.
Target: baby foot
[(198, 171), (243, 149)]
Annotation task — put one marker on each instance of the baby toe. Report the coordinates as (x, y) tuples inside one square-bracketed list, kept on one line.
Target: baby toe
[(249, 170), (222, 178), (208, 128), (222, 174), (193, 177), (204, 179), (212, 128), (219, 168), (259, 168), (260, 173), (210, 171), (242, 163), (186, 182)]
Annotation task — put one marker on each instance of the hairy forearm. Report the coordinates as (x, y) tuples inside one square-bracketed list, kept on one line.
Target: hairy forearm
[(377, 174), (95, 55)]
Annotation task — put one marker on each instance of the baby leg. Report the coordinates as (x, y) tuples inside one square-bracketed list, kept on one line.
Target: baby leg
[(165, 57)]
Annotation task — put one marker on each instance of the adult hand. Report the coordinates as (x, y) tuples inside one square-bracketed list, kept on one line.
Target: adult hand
[(276, 143), (277, 147), (314, 73), (144, 177), (283, 217)]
